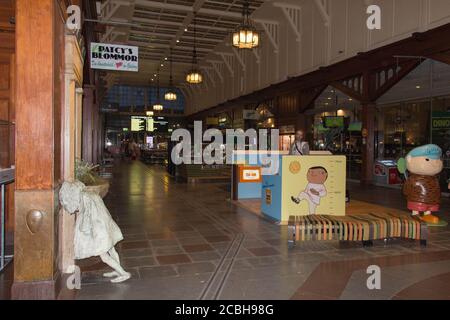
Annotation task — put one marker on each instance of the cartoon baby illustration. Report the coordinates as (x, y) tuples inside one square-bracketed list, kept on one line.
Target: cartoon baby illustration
[(315, 189)]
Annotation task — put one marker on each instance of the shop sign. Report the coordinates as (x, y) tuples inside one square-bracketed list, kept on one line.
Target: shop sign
[(114, 57), (212, 121), (250, 174), (441, 121), (287, 129), (250, 115)]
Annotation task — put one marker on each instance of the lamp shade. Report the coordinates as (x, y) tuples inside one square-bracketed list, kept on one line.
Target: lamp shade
[(194, 77), (170, 96), (158, 107), (246, 37)]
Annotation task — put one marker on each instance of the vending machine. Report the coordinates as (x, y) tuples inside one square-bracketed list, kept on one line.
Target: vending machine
[(386, 173)]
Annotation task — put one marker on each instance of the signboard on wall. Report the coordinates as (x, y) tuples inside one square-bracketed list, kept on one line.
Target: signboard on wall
[(250, 115), (114, 57), (287, 129), (249, 174), (138, 124), (212, 121)]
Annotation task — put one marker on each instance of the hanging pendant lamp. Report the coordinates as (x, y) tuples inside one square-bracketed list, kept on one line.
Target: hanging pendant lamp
[(158, 106), (246, 36), (194, 76), (171, 95)]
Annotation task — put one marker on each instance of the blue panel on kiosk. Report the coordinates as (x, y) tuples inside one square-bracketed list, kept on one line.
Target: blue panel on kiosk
[(271, 194), (271, 207), (249, 190)]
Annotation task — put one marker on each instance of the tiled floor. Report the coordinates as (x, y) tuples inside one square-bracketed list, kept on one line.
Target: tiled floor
[(189, 242)]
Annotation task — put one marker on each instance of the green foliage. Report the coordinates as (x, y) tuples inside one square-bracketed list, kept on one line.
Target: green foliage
[(401, 165), (85, 172)]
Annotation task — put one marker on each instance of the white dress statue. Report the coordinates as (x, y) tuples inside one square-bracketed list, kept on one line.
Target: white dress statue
[(96, 233)]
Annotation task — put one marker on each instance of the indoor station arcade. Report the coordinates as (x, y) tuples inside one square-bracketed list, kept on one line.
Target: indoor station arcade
[(134, 161)]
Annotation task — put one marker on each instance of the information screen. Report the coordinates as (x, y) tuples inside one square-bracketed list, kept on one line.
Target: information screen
[(138, 123), (150, 124), (333, 122)]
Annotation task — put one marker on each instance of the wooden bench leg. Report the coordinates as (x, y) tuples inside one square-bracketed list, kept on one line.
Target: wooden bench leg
[(368, 243), (291, 236)]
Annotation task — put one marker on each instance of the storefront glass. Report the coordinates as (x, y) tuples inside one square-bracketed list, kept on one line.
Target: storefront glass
[(345, 140), (405, 126)]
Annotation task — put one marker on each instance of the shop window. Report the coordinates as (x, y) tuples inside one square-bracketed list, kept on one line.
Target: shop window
[(402, 128), (346, 140)]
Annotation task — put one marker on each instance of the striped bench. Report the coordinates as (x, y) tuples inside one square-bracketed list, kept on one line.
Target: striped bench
[(362, 227)]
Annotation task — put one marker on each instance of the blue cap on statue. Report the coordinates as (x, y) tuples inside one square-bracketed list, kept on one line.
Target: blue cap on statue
[(430, 151)]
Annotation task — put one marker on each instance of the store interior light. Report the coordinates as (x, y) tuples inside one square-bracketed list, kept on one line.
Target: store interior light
[(150, 113)]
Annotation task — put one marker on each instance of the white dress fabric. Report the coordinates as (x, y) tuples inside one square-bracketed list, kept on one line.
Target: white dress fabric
[(95, 231)]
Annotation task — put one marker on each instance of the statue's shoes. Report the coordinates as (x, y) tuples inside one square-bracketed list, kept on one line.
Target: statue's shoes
[(122, 278), (111, 274)]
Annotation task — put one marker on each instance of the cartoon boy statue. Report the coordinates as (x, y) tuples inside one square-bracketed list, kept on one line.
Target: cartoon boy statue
[(422, 188), (315, 189)]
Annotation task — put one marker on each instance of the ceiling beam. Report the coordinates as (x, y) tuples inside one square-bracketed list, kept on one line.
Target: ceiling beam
[(158, 34), (176, 7), (166, 46), (172, 23)]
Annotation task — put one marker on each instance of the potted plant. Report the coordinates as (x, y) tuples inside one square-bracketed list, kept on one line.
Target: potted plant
[(85, 172)]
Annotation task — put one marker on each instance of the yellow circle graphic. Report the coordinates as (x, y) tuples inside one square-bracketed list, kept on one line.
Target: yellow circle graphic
[(295, 167)]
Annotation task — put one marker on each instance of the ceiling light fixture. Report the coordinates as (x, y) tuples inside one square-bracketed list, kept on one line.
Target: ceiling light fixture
[(171, 95), (246, 36), (194, 76), (157, 106)]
